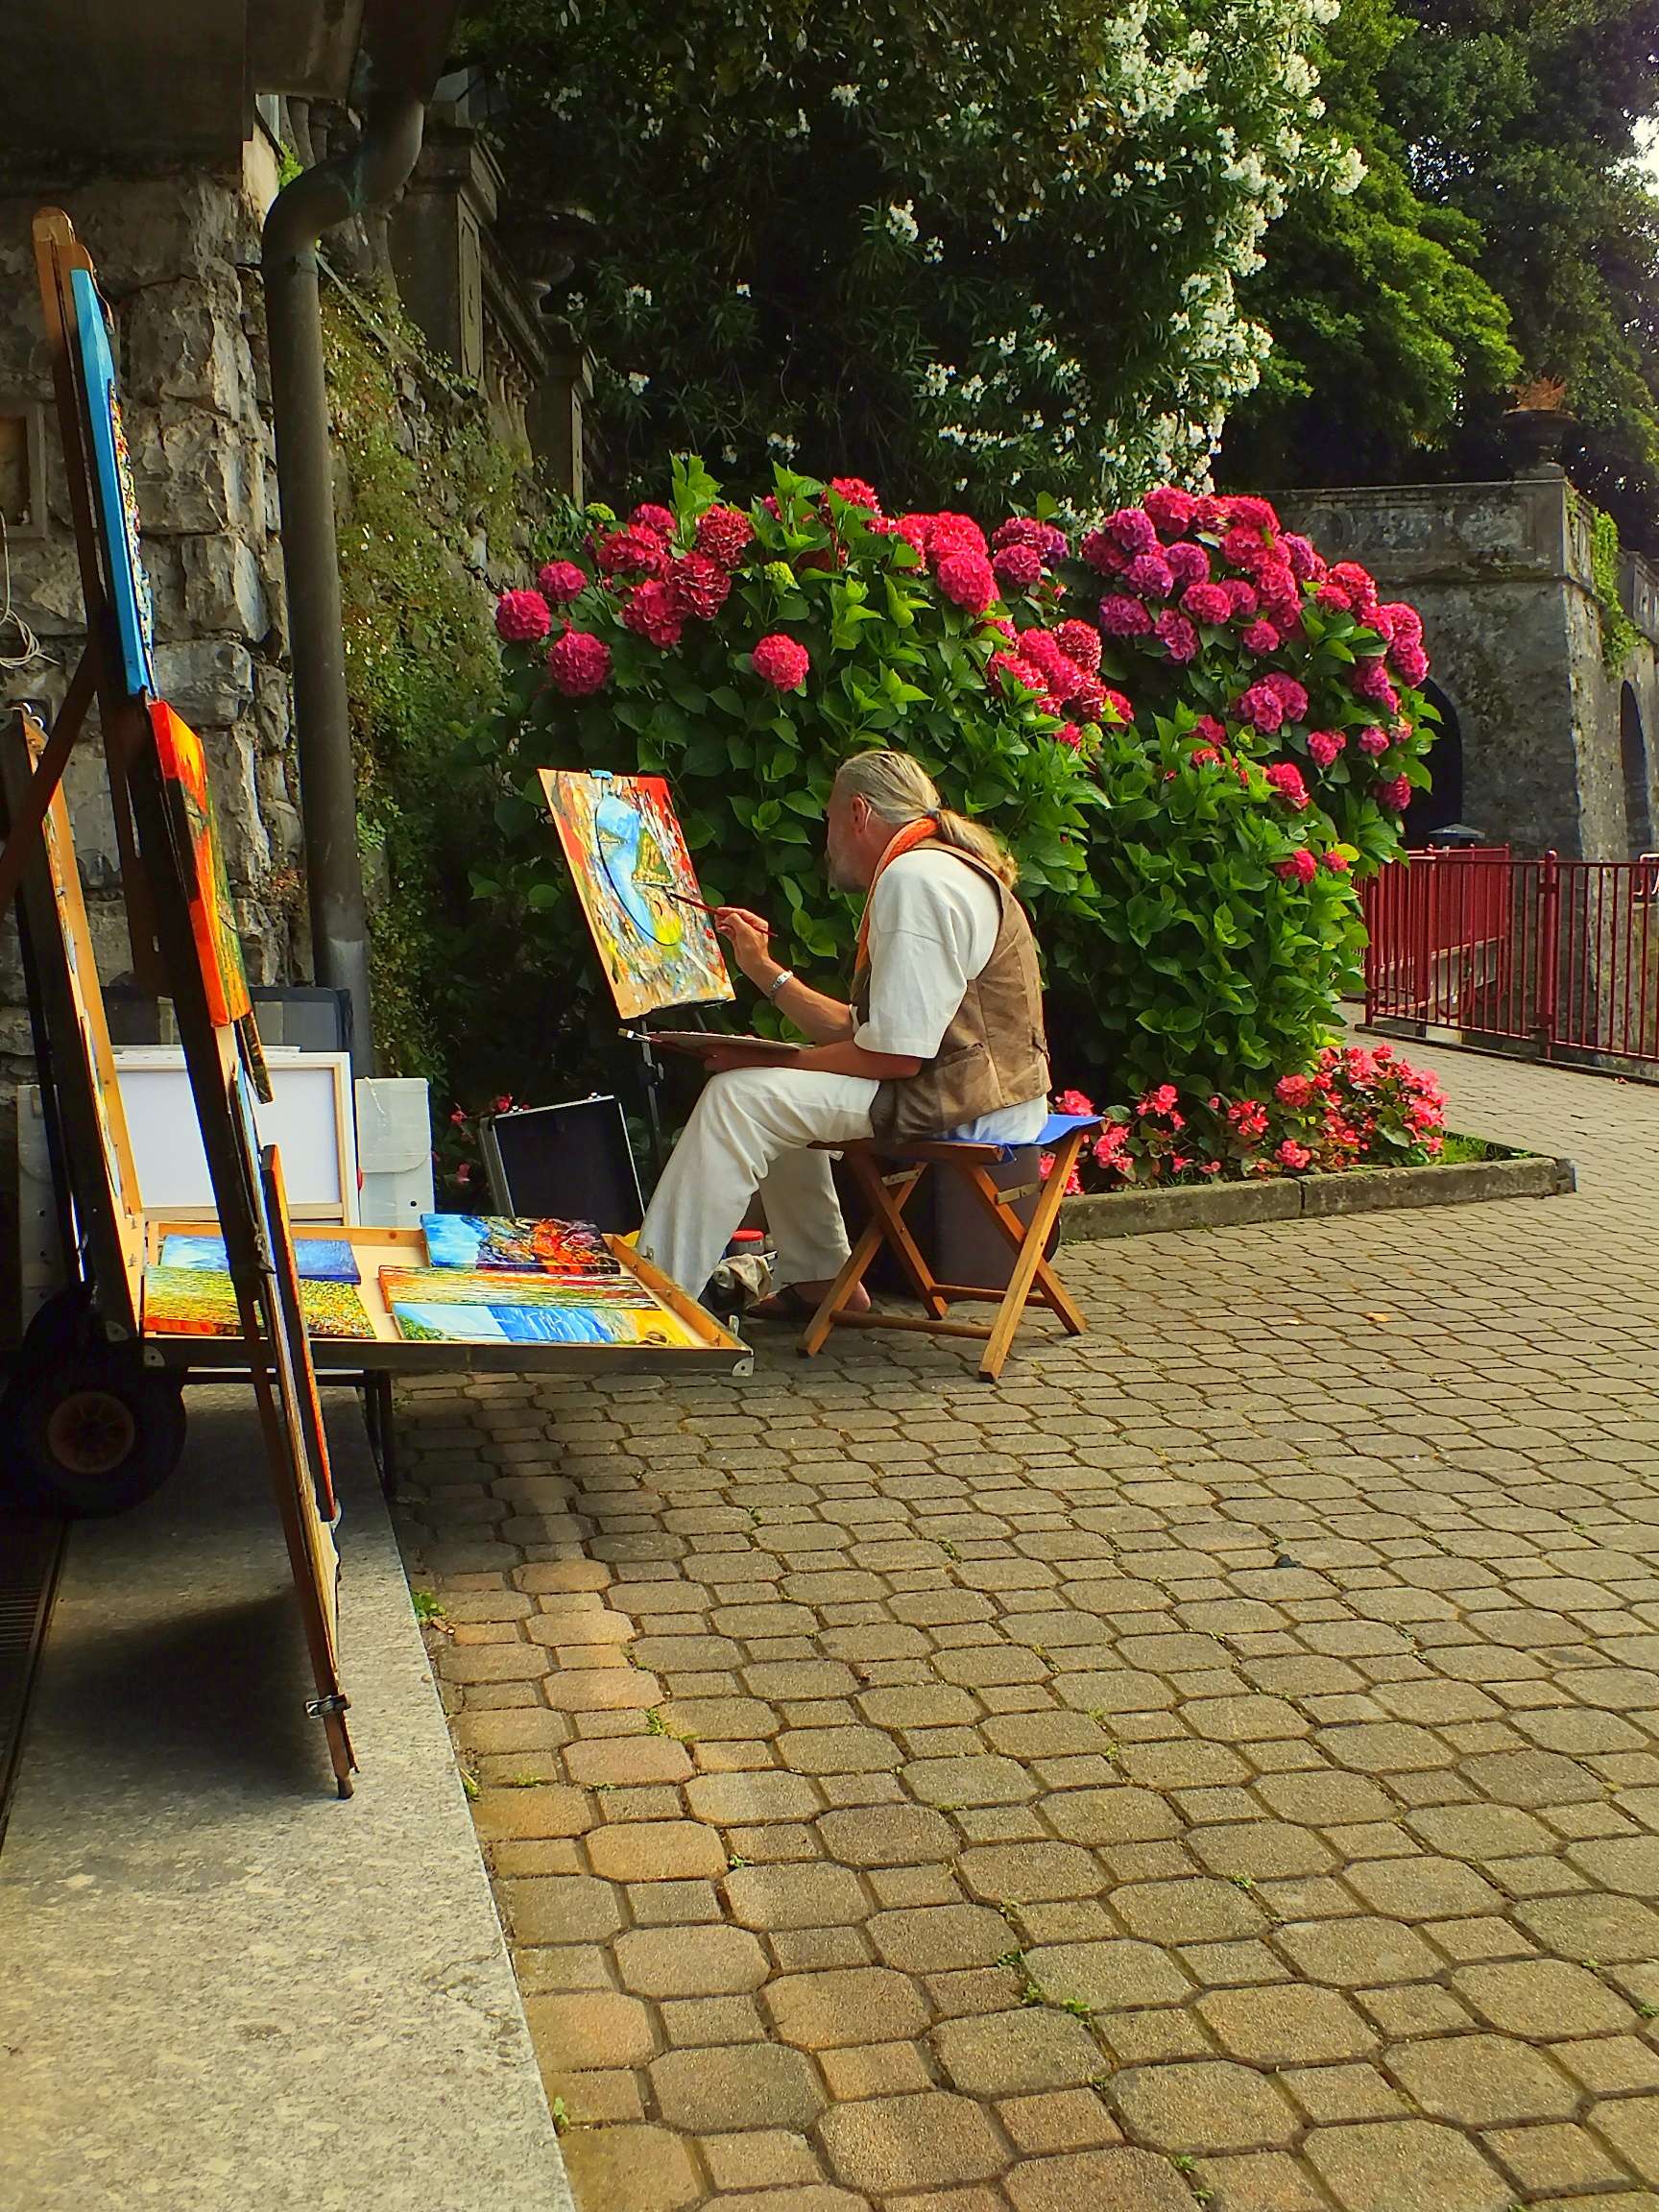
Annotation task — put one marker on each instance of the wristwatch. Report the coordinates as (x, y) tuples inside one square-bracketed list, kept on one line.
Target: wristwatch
[(782, 976)]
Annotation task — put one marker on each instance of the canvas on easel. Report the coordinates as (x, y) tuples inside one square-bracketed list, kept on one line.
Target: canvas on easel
[(637, 890), (98, 1156), (258, 1245)]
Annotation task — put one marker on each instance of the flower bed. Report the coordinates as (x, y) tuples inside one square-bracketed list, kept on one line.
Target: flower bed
[(1356, 1107)]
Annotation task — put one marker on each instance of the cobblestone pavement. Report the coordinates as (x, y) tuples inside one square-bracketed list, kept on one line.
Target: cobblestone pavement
[(1219, 1764)]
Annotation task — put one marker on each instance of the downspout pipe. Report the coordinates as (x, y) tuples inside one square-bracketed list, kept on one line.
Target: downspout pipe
[(314, 202)]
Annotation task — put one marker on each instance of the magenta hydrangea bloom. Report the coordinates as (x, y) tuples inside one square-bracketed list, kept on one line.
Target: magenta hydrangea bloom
[(1375, 741), (1121, 616), (653, 611), (1150, 573), (1177, 636), (1324, 745), (1132, 529), (561, 581), (1395, 793), (967, 581), (647, 517), (1017, 566), (1261, 638), (1188, 562), (1285, 779), (723, 533), (579, 663), (1080, 642), (1262, 707), (1300, 868), (521, 617), (779, 661), (1208, 603), (1171, 509)]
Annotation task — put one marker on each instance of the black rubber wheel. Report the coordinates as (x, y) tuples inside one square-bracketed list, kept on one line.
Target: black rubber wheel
[(90, 1432)]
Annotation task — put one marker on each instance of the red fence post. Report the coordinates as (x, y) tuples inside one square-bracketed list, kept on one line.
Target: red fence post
[(1549, 951)]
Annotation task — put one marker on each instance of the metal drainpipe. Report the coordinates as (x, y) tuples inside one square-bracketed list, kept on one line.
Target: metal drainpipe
[(366, 177)]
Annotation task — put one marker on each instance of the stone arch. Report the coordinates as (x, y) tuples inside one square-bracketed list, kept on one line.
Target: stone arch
[(1633, 759), (1442, 803)]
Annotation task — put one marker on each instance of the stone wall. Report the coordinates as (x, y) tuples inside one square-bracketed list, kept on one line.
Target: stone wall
[(1503, 576), (177, 258)]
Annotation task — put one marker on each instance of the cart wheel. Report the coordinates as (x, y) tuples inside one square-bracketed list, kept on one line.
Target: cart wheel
[(90, 1432)]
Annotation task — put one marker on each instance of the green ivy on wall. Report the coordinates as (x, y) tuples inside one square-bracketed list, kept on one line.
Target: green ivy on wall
[(425, 498), (1619, 633)]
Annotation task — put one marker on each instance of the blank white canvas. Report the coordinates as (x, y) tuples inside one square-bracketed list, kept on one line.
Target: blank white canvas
[(304, 1122)]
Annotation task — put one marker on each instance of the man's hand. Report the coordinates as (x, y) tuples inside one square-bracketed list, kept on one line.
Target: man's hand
[(750, 937)]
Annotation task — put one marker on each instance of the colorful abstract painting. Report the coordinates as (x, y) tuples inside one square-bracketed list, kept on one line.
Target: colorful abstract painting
[(191, 1301), (112, 489), (462, 1286), (639, 890), (555, 1324), (516, 1244), (212, 917), (316, 1259)]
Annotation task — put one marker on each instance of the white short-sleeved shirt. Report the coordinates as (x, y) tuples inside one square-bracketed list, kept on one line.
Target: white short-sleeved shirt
[(932, 928)]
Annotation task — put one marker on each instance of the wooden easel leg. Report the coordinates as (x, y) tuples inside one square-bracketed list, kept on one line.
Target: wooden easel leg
[(1029, 1257), (24, 834)]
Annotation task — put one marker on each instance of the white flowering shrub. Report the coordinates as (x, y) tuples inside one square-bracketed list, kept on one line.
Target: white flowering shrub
[(981, 257)]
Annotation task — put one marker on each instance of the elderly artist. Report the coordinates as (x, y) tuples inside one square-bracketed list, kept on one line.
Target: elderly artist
[(944, 1036)]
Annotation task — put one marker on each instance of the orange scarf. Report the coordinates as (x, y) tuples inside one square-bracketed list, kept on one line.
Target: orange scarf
[(918, 833)]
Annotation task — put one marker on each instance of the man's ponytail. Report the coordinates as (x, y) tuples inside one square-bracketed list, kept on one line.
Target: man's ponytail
[(900, 791)]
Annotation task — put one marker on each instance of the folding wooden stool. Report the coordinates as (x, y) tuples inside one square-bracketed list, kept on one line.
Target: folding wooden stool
[(888, 1176)]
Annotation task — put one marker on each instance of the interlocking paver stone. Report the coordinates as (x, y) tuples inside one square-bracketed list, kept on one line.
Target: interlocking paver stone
[(1275, 1685)]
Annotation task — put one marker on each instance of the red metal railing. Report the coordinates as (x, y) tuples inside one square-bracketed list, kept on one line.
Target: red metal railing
[(1561, 957)]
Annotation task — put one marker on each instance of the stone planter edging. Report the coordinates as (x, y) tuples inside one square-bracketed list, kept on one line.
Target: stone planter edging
[(1289, 1197)]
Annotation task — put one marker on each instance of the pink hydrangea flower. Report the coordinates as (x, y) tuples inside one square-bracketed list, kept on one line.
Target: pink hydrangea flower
[(1069, 736), (1178, 636), (723, 534), (1301, 867), (1242, 598), (1334, 863), (1103, 554), (779, 661), (647, 517), (1253, 513), (1207, 728), (1370, 681), (967, 581), (1374, 741), (1324, 745), (654, 611), (579, 663), (1208, 603), (1171, 509), (955, 533), (523, 617), (1404, 623), (632, 552), (1187, 562), (1151, 574), (1359, 583), (1395, 793), (1261, 708), (1087, 696), (561, 581), (1120, 709), (1306, 564), (1133, 530), (1080, 642), (1291, 694), (1121, 616), (1332, 597), (1261, 638), (1045, 541), (1008, 669), (1017, 566), (857, 493), (1285, 779), (699, 586), (1411, 663)]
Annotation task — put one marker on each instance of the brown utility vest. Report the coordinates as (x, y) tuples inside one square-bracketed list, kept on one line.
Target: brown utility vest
[(993, 1052)]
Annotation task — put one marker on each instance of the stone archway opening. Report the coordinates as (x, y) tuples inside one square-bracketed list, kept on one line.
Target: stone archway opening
[(1633, 759), (1442, 803)]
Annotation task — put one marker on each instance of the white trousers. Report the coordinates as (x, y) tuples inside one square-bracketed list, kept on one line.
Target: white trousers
[(749, 1133)]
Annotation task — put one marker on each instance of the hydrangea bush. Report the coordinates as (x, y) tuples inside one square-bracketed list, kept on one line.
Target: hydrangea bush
[(1193, 732)]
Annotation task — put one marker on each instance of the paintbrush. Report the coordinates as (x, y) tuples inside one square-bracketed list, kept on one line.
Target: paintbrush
[(684, 899)]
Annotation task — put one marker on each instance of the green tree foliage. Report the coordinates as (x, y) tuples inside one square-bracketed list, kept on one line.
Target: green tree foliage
[(978, 253), (1505, 224)]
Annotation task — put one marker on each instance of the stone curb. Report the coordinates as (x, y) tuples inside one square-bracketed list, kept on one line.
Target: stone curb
[(1286, 1198)]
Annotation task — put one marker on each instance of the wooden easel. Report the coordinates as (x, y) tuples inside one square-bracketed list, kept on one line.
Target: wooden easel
[(157, 864)]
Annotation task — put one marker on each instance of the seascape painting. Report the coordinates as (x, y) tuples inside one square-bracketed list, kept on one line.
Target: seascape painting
[(638, 889), (554, 1324), (456, 1287)]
